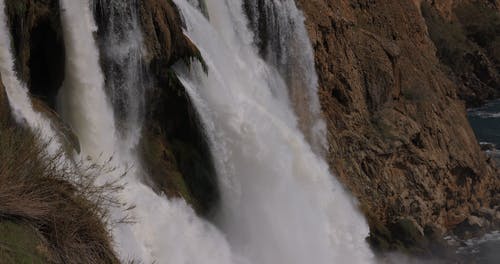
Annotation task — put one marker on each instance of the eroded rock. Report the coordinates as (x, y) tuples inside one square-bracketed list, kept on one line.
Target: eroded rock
[(398, 132)]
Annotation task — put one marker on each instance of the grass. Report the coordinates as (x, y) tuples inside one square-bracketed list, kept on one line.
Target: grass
[(58, 202)]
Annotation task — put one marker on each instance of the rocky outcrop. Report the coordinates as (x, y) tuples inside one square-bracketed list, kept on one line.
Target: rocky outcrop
[(398, 132), (38, 45), (4, 105), (467, 38), (391, 87), (174, 147)]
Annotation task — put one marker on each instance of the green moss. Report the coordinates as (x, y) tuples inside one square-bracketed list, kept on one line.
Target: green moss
[(198, 176), (164, 169), (21, 244)]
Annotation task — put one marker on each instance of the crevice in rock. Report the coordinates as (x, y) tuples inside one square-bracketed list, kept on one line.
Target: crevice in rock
[(46, 62)]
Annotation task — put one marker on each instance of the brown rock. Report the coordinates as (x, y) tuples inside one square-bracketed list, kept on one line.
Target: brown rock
[(174, 148), (38, 46), (399, 136)]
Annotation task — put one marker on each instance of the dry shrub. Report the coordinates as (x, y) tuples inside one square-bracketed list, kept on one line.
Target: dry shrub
[(60, 200)]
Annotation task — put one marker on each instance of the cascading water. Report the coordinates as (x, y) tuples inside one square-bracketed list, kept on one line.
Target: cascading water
[(283, 41), (165, 231), (279, 202), (121, 56), (17, 92)]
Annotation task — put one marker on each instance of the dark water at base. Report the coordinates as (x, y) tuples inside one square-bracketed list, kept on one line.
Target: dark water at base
[(485, 122), (484, 250)]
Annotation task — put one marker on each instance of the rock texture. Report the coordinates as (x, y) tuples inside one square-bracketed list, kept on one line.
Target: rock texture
[(4, 105), (174, 147), (398, 132), (392, 86), (467, 37), (38, 45), (174, 150)]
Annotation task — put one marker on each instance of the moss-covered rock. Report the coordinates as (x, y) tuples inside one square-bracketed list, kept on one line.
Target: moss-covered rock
[(174, 147), (21, 244)]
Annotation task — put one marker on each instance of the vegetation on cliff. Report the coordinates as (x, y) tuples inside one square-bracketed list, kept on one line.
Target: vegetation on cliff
[(49, 212), (392, 77)]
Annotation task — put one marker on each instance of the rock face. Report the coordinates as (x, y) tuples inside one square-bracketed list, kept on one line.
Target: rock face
[(38, 45), (393, 77), (467, 37), (4, 105), (398, 132), (174, 147)]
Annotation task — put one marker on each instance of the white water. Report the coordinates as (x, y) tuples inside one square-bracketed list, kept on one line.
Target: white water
[(121, 55), (280, 204), (165, 231), (282, 37), (17, 92)]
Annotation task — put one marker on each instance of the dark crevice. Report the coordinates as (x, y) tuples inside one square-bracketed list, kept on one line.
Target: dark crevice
[(46, 62)]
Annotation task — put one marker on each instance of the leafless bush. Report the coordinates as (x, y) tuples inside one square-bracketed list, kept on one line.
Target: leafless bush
[(58, 198)]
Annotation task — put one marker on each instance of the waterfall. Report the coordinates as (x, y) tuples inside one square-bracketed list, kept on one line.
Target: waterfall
[(17, 92), (121, 56), (283, 41), (165, 231), (279, 202)]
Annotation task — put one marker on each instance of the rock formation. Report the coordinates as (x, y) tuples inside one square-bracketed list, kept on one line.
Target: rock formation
[(394, 75), (398, 132)]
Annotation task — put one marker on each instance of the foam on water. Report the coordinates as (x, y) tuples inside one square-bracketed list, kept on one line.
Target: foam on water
[(279, 203)]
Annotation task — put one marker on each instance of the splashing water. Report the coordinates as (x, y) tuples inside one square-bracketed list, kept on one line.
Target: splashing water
[(121, 55), (282, 38), (165, 231), (279, 203)]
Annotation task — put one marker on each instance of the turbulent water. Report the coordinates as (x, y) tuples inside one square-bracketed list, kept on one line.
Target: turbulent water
[(486, 122), (482, 250), (279, 202), (120, 42), (165, 231)]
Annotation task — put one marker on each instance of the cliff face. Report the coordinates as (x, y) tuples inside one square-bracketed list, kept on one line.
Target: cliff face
[(467, 38), (173, 148), (38, 45), (392, 86), (398, 132)]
